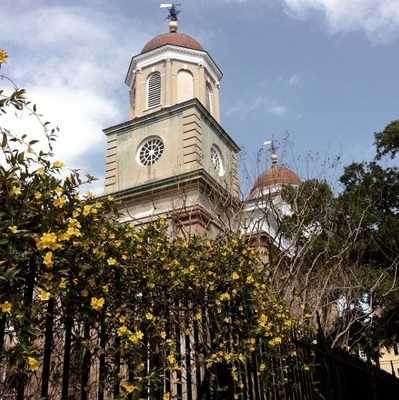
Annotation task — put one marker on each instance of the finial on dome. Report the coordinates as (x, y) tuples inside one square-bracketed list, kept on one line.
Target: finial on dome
[(273, 149), (173, 26)]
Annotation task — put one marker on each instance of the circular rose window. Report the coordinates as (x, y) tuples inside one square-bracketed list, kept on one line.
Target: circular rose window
[(217, 160), (150, 151)]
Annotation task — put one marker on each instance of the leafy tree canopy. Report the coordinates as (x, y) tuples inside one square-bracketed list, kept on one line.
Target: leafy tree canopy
[(387, 141)]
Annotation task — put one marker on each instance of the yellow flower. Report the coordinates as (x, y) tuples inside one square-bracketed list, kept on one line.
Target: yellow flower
[(139, 334), (128, 386), (235, 276), (97, 304), (48, 259), (262, 367), (59, 202), (134, 338), (122, 330), (149, 316), (163, 335), (44, 295), (15, 191), (224, 297), (275, 341), (47, 241), (40, 171), (62, 285), (38, 195), (167, 396), (58, 164), (197, 316), (3, 56), (262, 319), (71, 231), (13, 229), (250, 279), (87, 210), (111, 261), (33, 363), (73, 223), (171, 359), (6, 307)]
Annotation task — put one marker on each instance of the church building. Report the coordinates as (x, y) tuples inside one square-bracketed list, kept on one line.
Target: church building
[(172, 157)]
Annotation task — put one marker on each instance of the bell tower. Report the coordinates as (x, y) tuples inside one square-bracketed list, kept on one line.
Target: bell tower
[(172, 157)]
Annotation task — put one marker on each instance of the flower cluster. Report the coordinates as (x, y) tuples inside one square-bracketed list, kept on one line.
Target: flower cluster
[(138, 298)]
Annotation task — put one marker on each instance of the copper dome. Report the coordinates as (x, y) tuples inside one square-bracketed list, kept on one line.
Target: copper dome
[(173, 38), (274, 176)]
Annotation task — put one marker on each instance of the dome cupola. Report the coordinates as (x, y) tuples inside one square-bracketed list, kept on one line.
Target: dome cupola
[(172, 67), (172, 38), (271, 180)]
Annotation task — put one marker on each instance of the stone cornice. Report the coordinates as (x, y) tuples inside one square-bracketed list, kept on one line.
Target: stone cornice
[(175, 53), (167, 113), (198, 180)]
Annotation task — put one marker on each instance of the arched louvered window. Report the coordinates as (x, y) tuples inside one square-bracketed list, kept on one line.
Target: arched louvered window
[(154, 90), (208, 97)]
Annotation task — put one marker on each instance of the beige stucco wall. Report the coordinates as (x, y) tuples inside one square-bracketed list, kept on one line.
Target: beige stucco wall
[(188, 135), (169, 63)]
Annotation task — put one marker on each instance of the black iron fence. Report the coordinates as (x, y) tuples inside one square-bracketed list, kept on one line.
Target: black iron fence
[(319, 372), (312, 371)]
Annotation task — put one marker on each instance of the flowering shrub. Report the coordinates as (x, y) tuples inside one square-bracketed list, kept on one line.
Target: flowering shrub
[(120, 309)]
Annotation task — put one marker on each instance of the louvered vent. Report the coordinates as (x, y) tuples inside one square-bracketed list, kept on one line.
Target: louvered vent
[(154, 90)]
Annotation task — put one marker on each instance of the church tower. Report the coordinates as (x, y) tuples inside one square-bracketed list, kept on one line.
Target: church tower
[(172, 157)]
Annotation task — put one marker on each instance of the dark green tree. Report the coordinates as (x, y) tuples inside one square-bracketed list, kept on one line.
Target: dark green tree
[(369, 203)]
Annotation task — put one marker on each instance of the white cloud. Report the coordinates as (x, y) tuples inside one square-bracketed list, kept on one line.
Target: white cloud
[(277, 110), (72, 61), (256, 105), (378, 19)]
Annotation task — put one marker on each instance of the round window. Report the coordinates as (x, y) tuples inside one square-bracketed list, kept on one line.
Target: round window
[(217, 161), (150, 151)]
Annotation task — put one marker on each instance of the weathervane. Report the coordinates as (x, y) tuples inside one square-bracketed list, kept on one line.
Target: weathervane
[(173, 13), (273, 149)]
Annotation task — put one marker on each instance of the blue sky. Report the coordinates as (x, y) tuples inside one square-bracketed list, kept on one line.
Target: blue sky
[(325, 71)]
